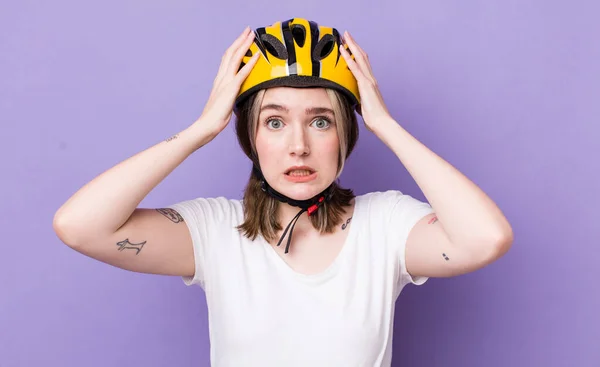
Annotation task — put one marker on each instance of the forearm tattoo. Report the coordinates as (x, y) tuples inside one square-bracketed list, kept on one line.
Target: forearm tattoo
[(173, 215), (172, 138), (445, 256), (126, 245)]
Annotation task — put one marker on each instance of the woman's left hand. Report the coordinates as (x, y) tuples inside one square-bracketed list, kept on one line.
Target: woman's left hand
[(372, 107)]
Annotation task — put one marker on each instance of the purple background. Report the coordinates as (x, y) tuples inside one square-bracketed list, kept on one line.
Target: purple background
[(506, 91)]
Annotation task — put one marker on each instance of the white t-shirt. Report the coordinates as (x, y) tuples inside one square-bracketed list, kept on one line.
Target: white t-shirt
[(263, 313)]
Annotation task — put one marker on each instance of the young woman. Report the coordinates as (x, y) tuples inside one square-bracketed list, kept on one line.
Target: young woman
[(301, 272)]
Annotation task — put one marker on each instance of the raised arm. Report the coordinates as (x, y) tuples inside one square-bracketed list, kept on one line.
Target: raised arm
[(102, 220)]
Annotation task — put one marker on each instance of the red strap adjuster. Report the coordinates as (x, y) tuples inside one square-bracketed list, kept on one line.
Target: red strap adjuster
[(313, 208)]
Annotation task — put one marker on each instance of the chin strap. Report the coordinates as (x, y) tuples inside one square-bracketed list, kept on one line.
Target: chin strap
[(310, 205)]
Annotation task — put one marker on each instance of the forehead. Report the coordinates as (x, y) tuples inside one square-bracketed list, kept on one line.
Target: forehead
[(297, 98)]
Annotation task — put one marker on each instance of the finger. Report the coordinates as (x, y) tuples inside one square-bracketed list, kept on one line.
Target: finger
[(227, 55), (353, 49), (236, 59), (352, 64), (245, 70), (360, 56), (238, 41), (355, 45)]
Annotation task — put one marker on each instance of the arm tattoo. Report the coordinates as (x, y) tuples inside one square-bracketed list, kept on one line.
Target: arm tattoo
[(433, 221), (172, 138), (173, 215), (344, 225), (126, 245)]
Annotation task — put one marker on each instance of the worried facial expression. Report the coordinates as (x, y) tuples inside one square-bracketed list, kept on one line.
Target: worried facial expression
[(297, 141)]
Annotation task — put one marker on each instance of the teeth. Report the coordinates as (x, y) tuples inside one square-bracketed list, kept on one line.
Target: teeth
[(299, 173)]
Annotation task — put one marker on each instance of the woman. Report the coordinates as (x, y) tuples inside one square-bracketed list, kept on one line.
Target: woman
[(300, 272)]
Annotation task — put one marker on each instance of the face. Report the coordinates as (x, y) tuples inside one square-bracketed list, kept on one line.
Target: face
[(297, 141)]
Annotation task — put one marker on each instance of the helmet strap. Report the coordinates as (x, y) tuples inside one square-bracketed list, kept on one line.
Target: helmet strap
[(310, 205)]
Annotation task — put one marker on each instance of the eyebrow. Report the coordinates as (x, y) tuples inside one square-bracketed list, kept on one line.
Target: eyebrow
[(308, 111)]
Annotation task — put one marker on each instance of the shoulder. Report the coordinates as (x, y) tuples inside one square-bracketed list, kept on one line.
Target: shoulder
[(393, 206), (388, 199), (217, 209)]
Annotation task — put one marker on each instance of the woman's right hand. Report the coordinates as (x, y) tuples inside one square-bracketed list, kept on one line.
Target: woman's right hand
[(219, 107)]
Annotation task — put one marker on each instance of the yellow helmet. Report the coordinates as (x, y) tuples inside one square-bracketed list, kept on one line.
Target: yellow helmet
[(298, 53)]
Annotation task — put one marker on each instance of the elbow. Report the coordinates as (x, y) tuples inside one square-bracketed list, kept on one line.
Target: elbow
[(501, 243), (489, 249), (486, 250), (62, 226)]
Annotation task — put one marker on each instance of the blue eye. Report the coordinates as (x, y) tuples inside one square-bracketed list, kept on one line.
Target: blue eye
[(274, 123), (322, 123)]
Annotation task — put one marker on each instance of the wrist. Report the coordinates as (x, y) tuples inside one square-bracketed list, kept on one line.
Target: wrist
[(197, 135), (205, 127), (383, 126)]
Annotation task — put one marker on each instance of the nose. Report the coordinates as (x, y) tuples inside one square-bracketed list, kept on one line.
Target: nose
[(299, 144)]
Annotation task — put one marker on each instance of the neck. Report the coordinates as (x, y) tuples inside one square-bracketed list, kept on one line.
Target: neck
[(294, 215), (286, 212)]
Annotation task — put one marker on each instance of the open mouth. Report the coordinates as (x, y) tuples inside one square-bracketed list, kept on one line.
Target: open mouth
[(299, 172)]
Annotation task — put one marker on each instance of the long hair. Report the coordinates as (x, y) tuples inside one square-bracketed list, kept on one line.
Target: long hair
[(260, 210)]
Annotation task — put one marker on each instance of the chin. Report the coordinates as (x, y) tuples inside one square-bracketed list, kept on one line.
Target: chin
[(304, 194), (301, 191)]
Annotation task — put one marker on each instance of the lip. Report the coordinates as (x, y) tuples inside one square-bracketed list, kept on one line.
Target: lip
[(307, 178), (293, 168), (298, 179)]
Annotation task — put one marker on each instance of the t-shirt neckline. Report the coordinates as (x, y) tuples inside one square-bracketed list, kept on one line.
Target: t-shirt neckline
[(332, 269)]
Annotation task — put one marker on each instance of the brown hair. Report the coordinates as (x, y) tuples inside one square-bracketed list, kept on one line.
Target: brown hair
[(260, 210)]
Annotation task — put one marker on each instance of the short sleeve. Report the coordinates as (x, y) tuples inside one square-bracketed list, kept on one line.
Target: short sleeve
[(405, 212), (202, 217)]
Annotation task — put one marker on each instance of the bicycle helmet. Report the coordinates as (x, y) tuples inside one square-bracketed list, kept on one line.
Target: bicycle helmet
[(298, 53)]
